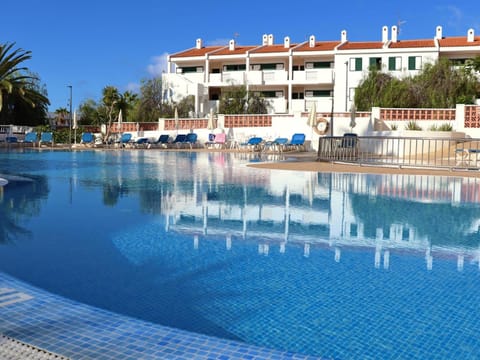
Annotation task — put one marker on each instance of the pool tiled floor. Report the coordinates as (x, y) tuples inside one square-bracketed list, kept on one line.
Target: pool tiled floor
[(76, 331)]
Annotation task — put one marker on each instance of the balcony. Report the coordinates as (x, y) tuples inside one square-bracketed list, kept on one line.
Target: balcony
[(310, 76), (267, 77)]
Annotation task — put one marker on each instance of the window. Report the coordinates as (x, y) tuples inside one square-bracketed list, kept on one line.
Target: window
[(375, 63), (319, 65), (318, 93), (459, 62), (270, 94), (297, 95), (298, 68), (394, 63), (356, 64), (353, 230), (192, 69), (414, 62), (275, 66), (235, 67)]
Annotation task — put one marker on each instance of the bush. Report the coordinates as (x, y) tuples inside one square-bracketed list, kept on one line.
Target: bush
[(412, 125), (445, 127)]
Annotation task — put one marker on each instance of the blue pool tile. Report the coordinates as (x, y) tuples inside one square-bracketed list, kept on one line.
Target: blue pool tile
[(82, 332)]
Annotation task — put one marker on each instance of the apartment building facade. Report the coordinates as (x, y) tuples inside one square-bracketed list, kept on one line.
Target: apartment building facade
[(293, 76)]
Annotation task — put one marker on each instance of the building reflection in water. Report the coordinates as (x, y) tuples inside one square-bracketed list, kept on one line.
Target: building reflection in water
[(431, 216)]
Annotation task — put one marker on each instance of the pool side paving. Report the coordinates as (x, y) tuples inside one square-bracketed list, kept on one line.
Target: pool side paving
[(46, 326)]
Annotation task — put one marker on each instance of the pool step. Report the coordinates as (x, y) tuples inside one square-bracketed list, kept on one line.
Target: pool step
[(12, 296)]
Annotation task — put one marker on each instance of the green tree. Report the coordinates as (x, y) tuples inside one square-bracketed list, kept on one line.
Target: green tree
[(438, 85), (256, 104), (236, 99), (19, 87), (126, 102), (88, 113), (150, 104), (185, 106), (62, 115), (233, 100), (110, 98)]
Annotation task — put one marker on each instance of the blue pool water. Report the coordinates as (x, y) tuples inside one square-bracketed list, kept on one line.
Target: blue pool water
[(334, 265)]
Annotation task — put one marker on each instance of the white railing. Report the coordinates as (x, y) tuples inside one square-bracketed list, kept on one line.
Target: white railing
[(459, 154)]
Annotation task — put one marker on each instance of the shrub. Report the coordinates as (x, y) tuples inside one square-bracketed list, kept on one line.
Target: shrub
[(412, 125), (445, 127)]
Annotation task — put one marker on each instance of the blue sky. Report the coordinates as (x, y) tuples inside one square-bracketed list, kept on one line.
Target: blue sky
[(91, 44)]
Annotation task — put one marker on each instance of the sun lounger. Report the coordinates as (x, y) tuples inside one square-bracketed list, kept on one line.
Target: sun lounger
[(253, 144), (191, 140), (296, 143), (276, 145), (124, 140), (162, 141), (218, 142), (30, 138), (87, 139), (140, 142), (467, 157), (179, 140), (348, 147), (46, 137)]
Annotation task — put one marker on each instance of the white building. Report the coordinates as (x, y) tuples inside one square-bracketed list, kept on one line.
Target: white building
[(294, 76)]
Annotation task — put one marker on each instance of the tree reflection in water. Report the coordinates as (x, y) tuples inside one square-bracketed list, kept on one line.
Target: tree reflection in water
[(20, 198)]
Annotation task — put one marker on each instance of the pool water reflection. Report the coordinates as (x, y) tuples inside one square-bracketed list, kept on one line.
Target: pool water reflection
[(335, 265)]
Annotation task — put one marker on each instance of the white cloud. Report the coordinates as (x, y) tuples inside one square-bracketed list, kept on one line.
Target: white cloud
[(456, 15), (134, 87), (159, 65)]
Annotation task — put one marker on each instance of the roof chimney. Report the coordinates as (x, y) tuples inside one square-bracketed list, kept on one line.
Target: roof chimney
[(471, 35), (231, 45), (438, 34), (286, 42), (199, 44), (311, 41), (265, 39), (394, 34), (344, 36), (270, 39), (385, 34)]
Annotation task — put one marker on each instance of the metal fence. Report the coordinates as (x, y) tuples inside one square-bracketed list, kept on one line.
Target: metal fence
[(459, 153)]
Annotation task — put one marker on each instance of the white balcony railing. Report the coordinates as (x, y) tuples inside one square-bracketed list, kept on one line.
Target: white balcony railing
[(323, 76)]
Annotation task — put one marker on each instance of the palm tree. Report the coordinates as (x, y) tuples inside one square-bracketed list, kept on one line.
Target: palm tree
[(61, 114), (126, 102), (110, 97), (15, 79)]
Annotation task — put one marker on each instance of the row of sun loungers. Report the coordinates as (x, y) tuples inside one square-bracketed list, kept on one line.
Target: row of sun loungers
[(189, 140), (32, 138)]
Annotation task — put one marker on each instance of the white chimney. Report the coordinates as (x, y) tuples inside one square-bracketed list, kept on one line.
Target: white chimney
[(385, 34), (286, 42), (438, 34), (311, 41), (231, 45), (270, 39), (199, 44), (265, 39), (471, 35), (344, 36), (394, 34)]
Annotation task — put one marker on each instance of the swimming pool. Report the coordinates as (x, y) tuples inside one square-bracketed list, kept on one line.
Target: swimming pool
[(333, 265)]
